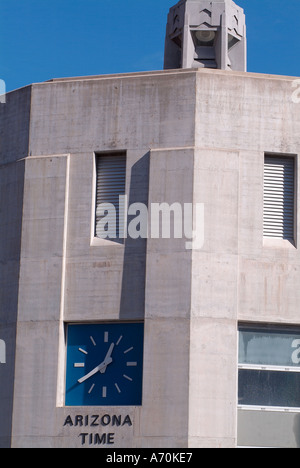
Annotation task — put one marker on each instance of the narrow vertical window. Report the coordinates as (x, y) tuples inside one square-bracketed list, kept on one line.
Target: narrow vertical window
[(279, 197), (110, 191)]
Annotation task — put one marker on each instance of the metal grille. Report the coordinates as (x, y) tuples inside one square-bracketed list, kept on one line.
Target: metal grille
[(279, 197), (111, 178)]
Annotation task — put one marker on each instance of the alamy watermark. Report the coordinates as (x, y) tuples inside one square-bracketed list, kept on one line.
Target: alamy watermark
[(2, 352), (2, 92), (296, 93), (159, 220)]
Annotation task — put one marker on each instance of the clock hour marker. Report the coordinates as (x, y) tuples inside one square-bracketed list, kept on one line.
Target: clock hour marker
[(79, 364), (82, 351), (131, 364), (127, 350), (91, 389), (119, 340), (117, 387), (126, 377), (93, 341), (104, 392), (106, 337)]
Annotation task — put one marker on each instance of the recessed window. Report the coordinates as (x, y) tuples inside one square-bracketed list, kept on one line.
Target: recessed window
[(269, 368), (279, 197), (205, 51), (110, 191), (204, 38)]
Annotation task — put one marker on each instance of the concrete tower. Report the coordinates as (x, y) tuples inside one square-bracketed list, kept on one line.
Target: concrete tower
[(206, 34), (163, 339)]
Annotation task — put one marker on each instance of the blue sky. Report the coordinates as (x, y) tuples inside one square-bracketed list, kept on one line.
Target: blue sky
[(44, 39)]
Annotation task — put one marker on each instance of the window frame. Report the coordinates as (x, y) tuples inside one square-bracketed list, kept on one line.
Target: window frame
[(95, 240), (278, 241), (267, 367)]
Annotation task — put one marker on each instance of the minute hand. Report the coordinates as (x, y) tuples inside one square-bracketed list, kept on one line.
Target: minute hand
[(99, 368), (107, 358)]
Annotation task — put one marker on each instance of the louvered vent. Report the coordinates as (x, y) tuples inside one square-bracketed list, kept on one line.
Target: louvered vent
[(279, 197), (111, 177)]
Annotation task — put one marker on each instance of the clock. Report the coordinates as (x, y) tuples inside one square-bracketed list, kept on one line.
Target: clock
[(104, 364)]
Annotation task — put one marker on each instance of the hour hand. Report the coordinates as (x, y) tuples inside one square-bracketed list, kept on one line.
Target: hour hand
[(100, 368)]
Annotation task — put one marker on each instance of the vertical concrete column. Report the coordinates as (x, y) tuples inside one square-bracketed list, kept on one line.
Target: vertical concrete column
[(39, 300), (11, 202), (164, 414), (213, 325)]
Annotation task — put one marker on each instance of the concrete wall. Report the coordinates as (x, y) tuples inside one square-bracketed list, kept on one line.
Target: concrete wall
[(239, 276), (14, 135), (191, 137), (66, 275)]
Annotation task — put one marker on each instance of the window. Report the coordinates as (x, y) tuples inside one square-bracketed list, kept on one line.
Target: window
[(110, 191), (205, 50), (279, 197), (269, 368)]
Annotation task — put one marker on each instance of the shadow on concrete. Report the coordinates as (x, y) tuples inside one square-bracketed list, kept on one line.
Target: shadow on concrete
[(14, 135), (132, 304)]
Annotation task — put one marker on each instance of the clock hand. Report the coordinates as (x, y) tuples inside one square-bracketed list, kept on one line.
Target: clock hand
[(101, 366), (110, 350), (107, 358)]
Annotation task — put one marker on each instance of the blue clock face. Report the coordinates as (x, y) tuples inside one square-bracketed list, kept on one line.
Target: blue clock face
[(104, 364)]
